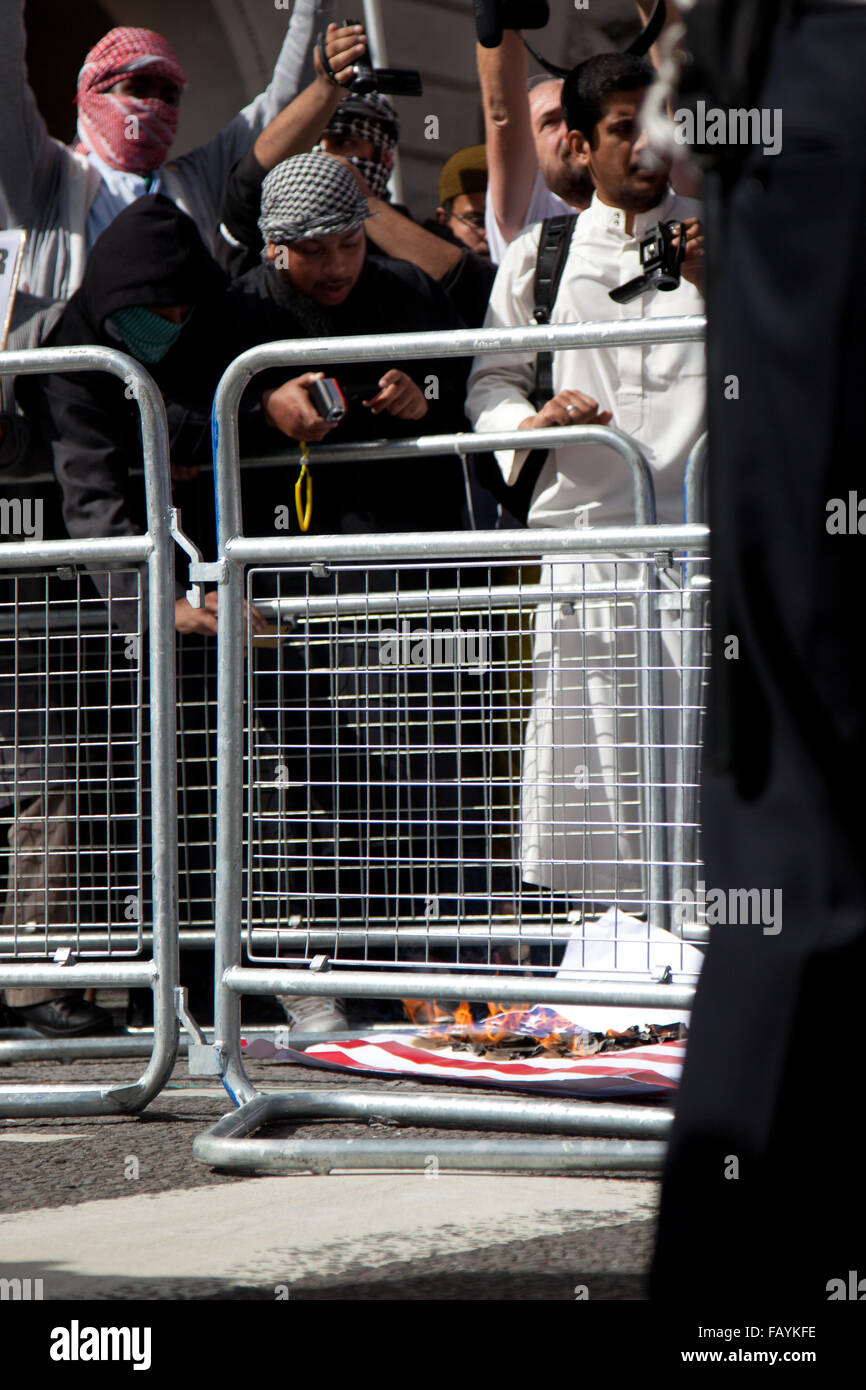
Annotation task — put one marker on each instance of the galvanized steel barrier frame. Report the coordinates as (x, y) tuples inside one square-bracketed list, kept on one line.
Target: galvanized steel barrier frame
[(155, 549), (227, 1144)]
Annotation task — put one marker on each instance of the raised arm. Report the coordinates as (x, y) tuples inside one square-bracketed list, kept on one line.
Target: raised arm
[(293, 131), (28, 155), (398, 236), (203, 171), (512, 162), (299, 127)]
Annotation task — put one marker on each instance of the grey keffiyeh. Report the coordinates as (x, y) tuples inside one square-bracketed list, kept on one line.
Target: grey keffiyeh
[(310, 195)]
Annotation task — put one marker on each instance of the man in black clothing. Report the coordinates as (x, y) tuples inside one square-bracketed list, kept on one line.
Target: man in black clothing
[(398, 745), (771, 1080), (319, 279), (146, 279)]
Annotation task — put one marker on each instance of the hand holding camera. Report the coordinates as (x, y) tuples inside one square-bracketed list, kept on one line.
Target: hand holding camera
[(336, 53), (355, 73), (395, 393), (307, 408), (667, 251), (291, 408)]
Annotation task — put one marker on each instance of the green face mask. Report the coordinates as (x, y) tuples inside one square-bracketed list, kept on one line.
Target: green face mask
[(147, 336)]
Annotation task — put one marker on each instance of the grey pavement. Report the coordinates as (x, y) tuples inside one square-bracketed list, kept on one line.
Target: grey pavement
[(117, 1208)]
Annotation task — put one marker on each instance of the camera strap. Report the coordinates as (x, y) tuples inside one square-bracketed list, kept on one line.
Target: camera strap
[(304, 503), (639, 46), (553, 242)]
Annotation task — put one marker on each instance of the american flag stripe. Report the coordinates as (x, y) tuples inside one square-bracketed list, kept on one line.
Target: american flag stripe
[(638, 1071)]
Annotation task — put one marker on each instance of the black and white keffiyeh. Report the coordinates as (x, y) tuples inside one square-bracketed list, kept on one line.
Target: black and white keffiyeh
[(310, 195), (369, 117)]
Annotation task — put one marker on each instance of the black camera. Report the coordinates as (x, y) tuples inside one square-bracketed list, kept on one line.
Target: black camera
[(492, 16), (392, 82), (328, 399), (332, 400), (661, 258)]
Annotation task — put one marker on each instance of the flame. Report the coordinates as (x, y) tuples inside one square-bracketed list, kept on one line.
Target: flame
[(463, 1015), (501, 1024), (424, 1012)]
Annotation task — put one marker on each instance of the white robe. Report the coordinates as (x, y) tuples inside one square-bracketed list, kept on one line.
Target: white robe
[(581, 801)]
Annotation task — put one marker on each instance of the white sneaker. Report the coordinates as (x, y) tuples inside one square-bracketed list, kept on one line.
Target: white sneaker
[(310, 1013)]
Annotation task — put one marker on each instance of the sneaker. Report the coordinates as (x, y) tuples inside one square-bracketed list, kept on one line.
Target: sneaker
[(310, 1013)]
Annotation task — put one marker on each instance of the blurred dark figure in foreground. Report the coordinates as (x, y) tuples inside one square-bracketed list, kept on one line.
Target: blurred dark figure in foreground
[(761, 1201)]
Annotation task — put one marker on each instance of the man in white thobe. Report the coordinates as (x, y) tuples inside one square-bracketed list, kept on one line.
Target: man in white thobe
[(582, 771)]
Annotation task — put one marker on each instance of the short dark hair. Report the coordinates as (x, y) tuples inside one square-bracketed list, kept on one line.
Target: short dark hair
[(588, 86)]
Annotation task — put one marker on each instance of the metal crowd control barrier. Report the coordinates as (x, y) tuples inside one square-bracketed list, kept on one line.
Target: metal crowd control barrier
[(87, 759), (387, 755)]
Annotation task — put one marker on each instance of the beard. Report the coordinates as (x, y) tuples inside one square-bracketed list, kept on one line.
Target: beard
[(571, 182), (642, 199), (315, 320)]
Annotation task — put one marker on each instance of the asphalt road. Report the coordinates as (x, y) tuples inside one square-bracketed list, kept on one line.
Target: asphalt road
[(117, 1208)]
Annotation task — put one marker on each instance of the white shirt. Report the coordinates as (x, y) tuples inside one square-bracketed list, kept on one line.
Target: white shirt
[(656, 392), (542, 204)]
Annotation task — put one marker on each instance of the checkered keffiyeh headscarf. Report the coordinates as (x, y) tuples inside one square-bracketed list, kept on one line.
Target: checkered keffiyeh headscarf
[(370, 117), (126, 132), (310, 195)]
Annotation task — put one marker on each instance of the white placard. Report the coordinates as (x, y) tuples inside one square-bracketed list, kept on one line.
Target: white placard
[(11, 252)]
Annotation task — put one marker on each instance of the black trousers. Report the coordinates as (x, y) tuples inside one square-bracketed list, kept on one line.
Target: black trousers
[(772, 1077)]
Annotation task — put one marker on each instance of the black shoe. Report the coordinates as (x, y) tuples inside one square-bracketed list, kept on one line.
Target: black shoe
[(68, 1017)]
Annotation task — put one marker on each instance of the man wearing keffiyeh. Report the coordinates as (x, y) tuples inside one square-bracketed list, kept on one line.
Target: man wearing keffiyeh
[(312, 221), (129, 89), (365, 130), (318, 278)]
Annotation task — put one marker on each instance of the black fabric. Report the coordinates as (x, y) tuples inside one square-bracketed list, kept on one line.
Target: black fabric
[(391, 297), (728, 43), (469, 283), (239, 214), (772, 1057), (151, 256)]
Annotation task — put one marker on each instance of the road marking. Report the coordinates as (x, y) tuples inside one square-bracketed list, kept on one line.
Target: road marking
[(36, 1136)]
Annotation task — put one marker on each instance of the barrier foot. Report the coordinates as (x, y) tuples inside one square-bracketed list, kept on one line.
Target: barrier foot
[(228, 1145)]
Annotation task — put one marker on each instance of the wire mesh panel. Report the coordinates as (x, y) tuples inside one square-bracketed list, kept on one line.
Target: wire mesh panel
[(87, 755), (75, 843), (74, 741), (196, 765), (689, 905), (72, 762), (465, 767)]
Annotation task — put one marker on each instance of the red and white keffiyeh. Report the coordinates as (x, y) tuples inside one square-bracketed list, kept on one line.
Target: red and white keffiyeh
[(126, 132)]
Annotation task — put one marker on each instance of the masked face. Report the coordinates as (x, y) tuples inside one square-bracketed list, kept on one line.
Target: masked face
[(129, 90), (149, 334)]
